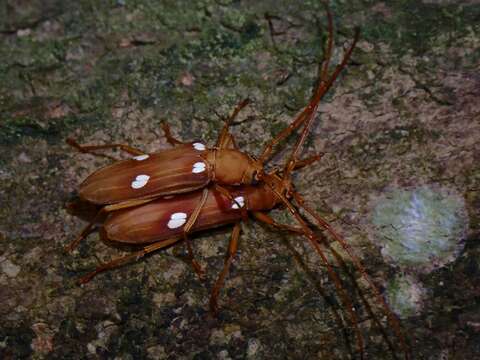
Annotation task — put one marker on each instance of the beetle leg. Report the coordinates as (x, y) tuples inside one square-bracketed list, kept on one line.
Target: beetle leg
[(225, 138), (261, 216), (126, 259), (232, 250), (168, 135), (87, 230), (195, 265), (188, 260), (323, 85), (90, 149), (305, 162), (186, 229)]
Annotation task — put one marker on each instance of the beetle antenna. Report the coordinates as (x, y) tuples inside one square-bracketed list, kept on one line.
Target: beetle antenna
[(311, 237), (341, 262), (392, 318), (311, 109), (334, 305), (324, 84)]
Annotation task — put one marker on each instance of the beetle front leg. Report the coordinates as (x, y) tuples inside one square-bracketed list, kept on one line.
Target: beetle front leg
[(260, 216), (225, 139)]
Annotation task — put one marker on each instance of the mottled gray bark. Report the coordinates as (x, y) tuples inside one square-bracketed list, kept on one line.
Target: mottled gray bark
[(403, 117)]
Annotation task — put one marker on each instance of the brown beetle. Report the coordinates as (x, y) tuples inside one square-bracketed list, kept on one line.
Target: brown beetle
[(192, 166), (210, 187)]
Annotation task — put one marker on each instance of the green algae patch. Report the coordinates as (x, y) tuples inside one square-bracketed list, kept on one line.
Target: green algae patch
[(405, 295), (421, 229)]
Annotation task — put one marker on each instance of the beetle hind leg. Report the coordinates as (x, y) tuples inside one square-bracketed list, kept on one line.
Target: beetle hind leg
[(87, 230), (120, 261), (191, 259), (100, 217), (90, 149)]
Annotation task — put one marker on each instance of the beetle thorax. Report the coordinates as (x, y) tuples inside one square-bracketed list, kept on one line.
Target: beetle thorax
[(232, 167)]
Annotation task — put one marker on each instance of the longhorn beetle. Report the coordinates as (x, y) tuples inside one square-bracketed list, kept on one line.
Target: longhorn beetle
[(159, 198), (192, 166)]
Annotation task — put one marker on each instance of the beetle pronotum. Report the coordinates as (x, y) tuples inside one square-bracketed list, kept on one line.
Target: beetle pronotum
[(136, 193)]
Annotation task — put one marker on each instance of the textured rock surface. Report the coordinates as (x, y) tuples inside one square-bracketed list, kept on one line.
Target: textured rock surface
[(405, 114)]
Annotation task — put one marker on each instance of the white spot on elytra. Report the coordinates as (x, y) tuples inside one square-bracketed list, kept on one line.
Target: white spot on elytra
[(177, 220), (198, 167), (140, 181), (199, 146), (141, 157), (239, 202)]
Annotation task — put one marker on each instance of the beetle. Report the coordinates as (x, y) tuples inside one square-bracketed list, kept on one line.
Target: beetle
[(210, 187), (192, 166)]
